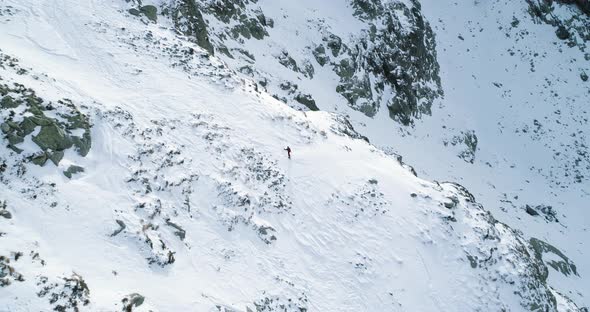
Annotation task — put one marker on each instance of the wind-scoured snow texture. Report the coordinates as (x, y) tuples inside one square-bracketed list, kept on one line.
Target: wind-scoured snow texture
[(187, 201), (370, 55)]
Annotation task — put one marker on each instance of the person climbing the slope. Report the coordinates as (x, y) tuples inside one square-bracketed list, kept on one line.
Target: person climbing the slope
[(288, 149)]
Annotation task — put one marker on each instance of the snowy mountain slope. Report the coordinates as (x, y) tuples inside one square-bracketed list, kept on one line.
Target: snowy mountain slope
[(187, 201), (521, 90), (513, 122), (503, 43)]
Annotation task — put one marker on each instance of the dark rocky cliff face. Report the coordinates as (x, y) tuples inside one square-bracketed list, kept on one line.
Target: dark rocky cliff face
[(188, 20), (584, 5), (402, 59), (573, 26), (390, 64)]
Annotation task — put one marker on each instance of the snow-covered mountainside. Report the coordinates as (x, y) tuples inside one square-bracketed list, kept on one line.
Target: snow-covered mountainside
[(142, 164)]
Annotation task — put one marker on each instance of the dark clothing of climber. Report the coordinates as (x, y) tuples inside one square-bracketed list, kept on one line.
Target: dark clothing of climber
[(288, 149)]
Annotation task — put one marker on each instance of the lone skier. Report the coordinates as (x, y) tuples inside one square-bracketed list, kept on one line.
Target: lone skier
[(288, 149)]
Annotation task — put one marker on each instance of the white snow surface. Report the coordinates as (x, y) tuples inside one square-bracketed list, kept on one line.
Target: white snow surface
[(517, 87), (201, 135)]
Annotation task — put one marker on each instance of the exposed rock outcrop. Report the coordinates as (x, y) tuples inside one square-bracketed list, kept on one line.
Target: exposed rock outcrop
[(25, 114)]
